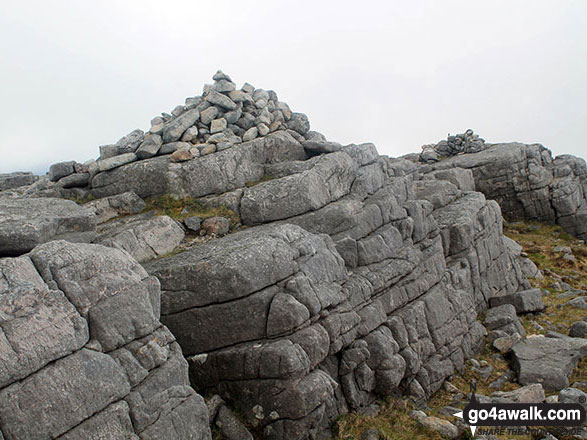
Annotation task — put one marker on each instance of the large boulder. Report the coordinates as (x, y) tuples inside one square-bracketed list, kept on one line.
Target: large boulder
[(27, 222), (548, 361), (83, 354)]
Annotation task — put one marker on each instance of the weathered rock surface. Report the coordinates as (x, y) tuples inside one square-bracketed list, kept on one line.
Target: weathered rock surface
[(354, 277), (547, 361), (108, 208), (15, 180), (75, 364), (211, 174), (368, 286), (144, 236), (27, 222), (529, 184), (525, 301)]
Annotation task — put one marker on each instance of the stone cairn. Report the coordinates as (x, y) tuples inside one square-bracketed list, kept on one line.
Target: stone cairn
[(221, 118), (463, 143)]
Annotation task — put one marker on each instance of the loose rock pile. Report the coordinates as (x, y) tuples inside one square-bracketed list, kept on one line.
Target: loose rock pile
[(221, 118), (467, 142)]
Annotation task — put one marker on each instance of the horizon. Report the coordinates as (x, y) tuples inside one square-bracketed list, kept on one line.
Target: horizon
[(394, 74)]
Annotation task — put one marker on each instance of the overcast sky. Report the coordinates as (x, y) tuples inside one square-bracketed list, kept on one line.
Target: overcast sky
[(77, 74)]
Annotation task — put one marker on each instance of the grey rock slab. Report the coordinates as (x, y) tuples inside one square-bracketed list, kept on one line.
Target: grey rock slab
[(220, 100), (16, 180), (174, 130), (107, 151), (150, 146), (47, 328), (172, 147), (61, 395), (75, 180), (144, 236), (525, 301), (111, 423), (27, 222), (547, 361), (60, 169), (329, 179), (533, 393), (108, 208), (321, 147), (208, 115), (504, 318), (231, 427), (130, 142), (285, 314), (225, 269), (116, 161)]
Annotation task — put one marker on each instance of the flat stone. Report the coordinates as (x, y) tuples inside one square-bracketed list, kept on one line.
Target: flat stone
[(525, 301), (116, 161), (108, 208), (321, 147), (16, 180), (547, 361), (218, 125), (144, 236), (175, 129), (28, 222), (221, 100)]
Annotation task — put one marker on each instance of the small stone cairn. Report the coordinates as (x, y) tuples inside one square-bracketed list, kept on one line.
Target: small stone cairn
[(463, 143)]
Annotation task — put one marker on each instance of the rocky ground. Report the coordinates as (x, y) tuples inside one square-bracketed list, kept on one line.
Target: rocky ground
[(562, 261), (231, 252)]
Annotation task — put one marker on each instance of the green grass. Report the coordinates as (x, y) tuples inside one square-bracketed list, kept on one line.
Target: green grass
[(180, 209)]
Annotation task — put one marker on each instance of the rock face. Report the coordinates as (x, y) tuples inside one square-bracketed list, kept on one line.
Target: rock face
[(76, 364), (25, 223), (366, 281), (350, 276), (529, 184)]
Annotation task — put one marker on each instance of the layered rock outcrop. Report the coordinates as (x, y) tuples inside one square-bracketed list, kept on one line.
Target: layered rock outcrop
[(83, 354), (350, 276), (528, 183), (366, 281)]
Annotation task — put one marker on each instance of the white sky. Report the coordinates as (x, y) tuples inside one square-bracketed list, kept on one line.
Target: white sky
[(76, 74)]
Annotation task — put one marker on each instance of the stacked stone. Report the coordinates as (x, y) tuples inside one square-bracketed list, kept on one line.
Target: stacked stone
[(221, 118), (467, 142)]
